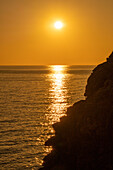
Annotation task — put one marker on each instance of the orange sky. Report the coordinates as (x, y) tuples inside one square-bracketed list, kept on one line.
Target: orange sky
[(27, 35)]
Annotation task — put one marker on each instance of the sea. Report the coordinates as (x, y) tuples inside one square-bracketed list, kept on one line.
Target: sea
[(32, 98)]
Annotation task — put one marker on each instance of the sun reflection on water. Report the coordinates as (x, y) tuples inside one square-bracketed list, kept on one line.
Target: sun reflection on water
[(58, 93)]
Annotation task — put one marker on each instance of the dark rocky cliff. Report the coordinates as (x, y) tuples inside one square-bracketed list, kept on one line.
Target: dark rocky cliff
[(84, 138)]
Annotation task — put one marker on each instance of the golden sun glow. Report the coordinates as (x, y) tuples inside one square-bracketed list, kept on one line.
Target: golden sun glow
[(57, 68), (58, 24)]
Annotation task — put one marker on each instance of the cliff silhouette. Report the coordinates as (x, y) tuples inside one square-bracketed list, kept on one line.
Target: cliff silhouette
[(84, 138)]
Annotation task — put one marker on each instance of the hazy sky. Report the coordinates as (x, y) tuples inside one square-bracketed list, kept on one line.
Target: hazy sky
[(27, 35)]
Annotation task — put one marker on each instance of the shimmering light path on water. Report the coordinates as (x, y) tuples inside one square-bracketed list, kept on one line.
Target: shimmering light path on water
[(58, 93), (32, 98)]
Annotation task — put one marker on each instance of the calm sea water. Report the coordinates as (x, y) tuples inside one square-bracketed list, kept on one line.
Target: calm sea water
[(32, 98)]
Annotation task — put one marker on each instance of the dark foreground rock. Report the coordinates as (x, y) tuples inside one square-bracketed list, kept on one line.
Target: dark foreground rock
[(84, 138)]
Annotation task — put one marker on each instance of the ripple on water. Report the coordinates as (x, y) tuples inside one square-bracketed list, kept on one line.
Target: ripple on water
[(29, 105)]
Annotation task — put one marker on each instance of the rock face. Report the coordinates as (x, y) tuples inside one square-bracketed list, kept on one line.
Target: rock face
[(84, 138)]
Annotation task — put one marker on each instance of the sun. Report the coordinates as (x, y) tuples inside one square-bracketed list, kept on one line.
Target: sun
[(58, 24)]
